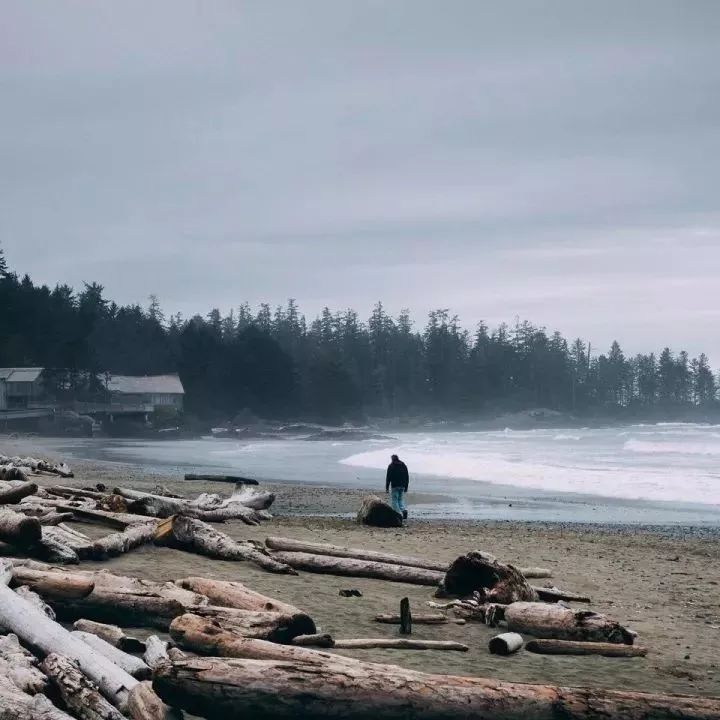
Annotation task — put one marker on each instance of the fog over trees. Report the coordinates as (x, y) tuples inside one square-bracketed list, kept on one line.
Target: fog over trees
[(337, 366)]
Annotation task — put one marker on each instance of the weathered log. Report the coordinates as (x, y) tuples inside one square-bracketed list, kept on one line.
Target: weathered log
[(156, 651), (129, 602), (323, 640), (505, 643), (15, 493), (221, 478), (129, 663), (17, 705), (476, 572), (406, 618), (80, 695), (209, 637), (553, 594), (398, 644), (421, 619), (290, 545), (53, 518), (18, 529), (111, 634), (258, 624), (229, 689), (376, 512), (71, 492), (235, 595), (53, 585), (46, 636), (51, 547), (554, 621), (116, 520), (535, 572), (34, 599), (144, 704), (359, 568), (199, 537), (574, 647), (116, 543), (20, 666)]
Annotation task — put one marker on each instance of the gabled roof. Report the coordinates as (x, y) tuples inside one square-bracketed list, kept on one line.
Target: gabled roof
[(143, 384), (20, 374)]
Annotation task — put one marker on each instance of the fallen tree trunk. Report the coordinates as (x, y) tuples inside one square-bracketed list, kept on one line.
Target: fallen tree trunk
[(46, 636), (258, 624), (229, 689), (505, 643), (20, 666), (129, 663), (199, 537), (553, 594), (209, 637), (323, 640), (221, 478), (15, 493), (18, 529), (235, 595), (82, 697), (156, 652), (398, 644), (111, 634), (359, 568), (421, 619), (53, 585), (290, 545), (572, 647), (376, 512), (554, 621), (116, 543), (34, 599), (17, 705), (535, 572), (116, 520), (478, 572)]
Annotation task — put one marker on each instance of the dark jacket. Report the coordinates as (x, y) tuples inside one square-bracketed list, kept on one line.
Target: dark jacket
[(397, 476)]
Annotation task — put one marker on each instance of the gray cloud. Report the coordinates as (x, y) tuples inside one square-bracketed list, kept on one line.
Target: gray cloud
[(554, 161)]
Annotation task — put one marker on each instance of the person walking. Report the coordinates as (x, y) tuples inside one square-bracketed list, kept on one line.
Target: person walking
[(397, 480)]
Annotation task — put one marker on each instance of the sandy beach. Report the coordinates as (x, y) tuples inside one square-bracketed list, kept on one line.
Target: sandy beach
[(661, 582)]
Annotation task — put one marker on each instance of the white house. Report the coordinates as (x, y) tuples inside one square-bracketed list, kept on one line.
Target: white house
[(156, 390)]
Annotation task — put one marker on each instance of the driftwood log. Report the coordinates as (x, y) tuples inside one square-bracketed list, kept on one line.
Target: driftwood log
[(331, 565), (553, 594), (116, 543), (18, 705), (227, 689), (129, 663), (505, 644), (14, 493), (46, 636), (478, 572), (20, 666), (156, 651), (323, 640), (573, 647), (221, 478), (80, 695), (376, 512), (290, 545), (53, 585), (236, 595), (398, 644), (111, 634), (556, 622), (421, 619), (196, 536), (18, 529)]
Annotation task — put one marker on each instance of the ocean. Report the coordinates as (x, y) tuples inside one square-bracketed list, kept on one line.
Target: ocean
[(662, 473)]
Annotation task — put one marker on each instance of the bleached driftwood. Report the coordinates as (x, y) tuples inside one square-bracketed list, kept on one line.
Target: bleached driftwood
[(111, 634), (156, 651), (129, 663), (349, 567), (574, 647)]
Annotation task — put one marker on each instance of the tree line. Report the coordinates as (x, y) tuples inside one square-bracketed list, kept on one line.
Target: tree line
[(277, 364)]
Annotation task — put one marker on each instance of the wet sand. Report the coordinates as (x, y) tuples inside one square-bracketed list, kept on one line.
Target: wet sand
[(661, 582)]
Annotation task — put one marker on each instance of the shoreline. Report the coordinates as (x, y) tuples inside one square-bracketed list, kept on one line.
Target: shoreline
[(657, 580)]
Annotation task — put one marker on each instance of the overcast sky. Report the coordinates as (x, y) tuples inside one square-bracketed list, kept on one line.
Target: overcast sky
[(559, 161)]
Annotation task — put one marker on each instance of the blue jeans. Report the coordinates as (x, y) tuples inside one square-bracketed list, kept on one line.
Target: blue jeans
[(397, 499)]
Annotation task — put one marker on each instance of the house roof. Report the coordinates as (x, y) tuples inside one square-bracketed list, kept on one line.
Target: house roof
[(20, 374), (142, 384)]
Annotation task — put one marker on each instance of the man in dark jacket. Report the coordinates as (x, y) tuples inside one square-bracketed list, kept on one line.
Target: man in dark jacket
[(396, 483)]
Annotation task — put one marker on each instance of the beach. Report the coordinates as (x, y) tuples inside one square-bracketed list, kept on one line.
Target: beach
[(660, 581)]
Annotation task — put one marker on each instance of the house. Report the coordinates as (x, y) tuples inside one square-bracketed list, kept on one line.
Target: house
[(156, 390), (23, 386)]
